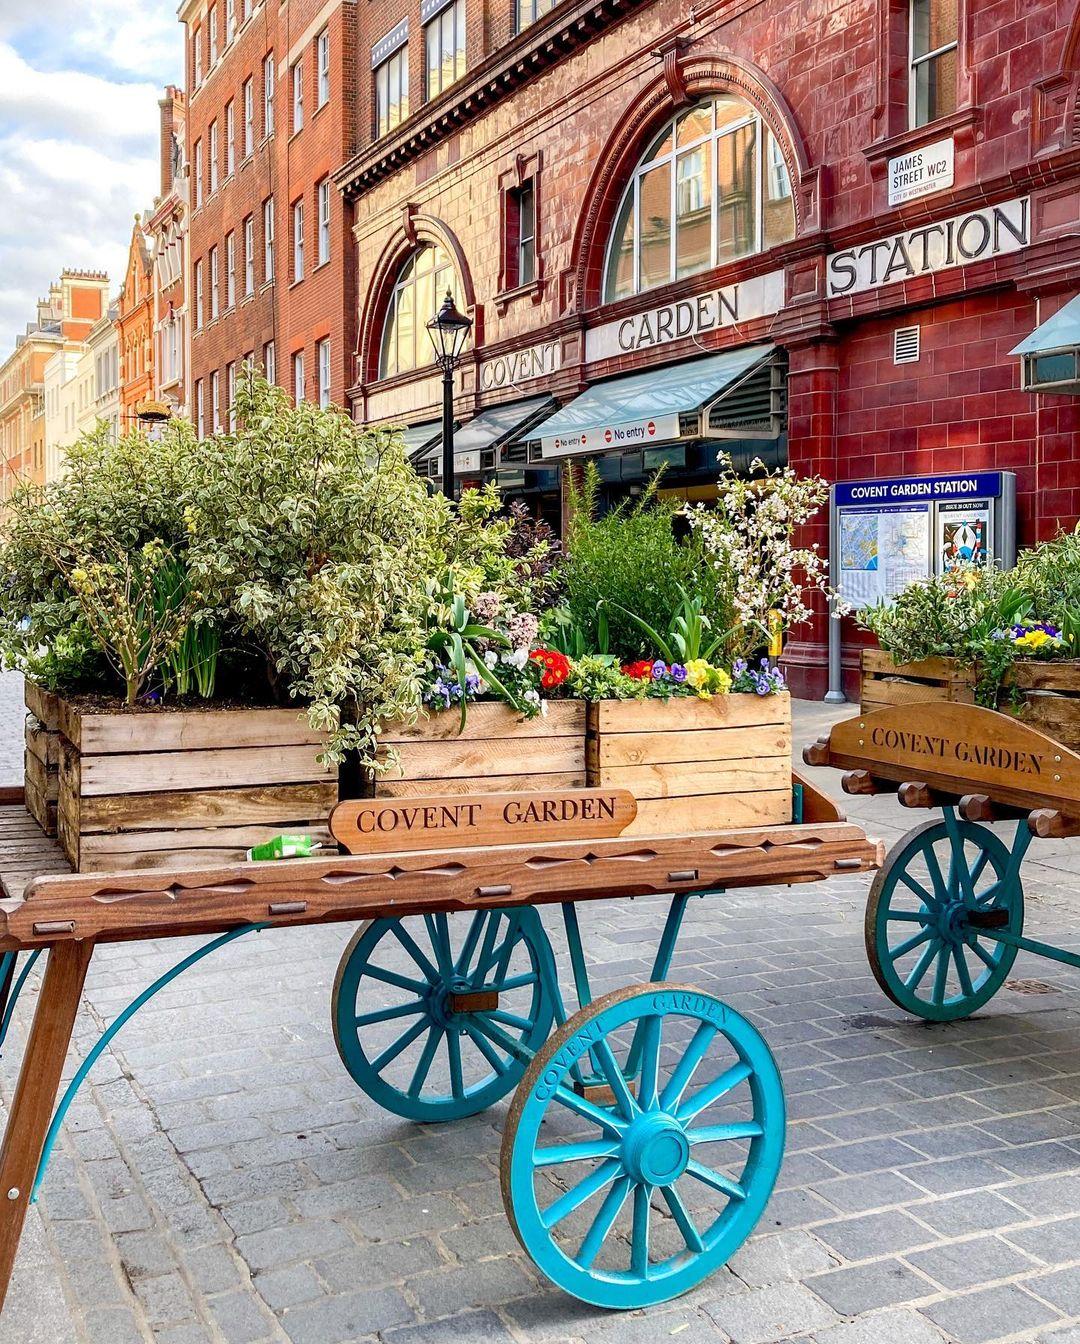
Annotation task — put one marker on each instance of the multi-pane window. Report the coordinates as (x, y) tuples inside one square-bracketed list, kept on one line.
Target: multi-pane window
[(215, 401), (712, 187), (198, 174), (298, 240), (270, 362), (212, 33), (298, 376), (230, 392), (933, 59), (249, 255), (215, 291), (322, 66), (323, 193), (323, 349), (416, 296), (200, 312), (196, 57), (200, 409), (212, 152), (521, 235), (230, 139), (230, 20), (297, 96), (444, 48), (268, 239), (249, 117), (268, 94), (528, 11), (230, 270), (245, 9), (392, 91)]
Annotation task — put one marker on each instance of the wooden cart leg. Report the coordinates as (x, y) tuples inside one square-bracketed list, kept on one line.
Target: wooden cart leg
[(35, 1093)]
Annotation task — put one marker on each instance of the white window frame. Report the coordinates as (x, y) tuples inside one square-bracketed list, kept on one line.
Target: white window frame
[(215, 401), (434, 35), (270, 362), (526, 12), (196, 57), (215, 280), (298, 240), (249, 116), (230, 138), (269, 77), (394, 74), (298, 95), (268, 240), (915, 61), (200, 296), (322, 67), (323, 352), (249, 256), (298, 376), (230, 20), (230, 392), (212, 151), (230, 270), (212, 31), (528, 187), (200, 409), (323, 194), (199, 168)]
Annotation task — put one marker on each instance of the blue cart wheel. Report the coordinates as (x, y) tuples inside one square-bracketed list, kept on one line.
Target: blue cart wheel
[(628, 1194), (411, 997), (930, 905)]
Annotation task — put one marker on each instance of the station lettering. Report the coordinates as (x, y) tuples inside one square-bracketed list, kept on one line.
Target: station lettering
[(521, 366), (940, 747), (467, 815), (976, 236)]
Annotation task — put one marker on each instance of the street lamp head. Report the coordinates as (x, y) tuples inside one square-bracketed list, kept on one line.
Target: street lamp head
[(449, 330)]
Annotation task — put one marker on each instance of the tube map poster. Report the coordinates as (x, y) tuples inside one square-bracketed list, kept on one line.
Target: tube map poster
[(882, 549)]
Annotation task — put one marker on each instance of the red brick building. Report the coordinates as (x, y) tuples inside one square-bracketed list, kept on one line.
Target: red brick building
[(813, 233), (270, 115), (167, 226), (135, 328)]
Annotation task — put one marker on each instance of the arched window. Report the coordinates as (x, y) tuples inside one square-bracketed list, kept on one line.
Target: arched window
[(417, 294), (711, 188)]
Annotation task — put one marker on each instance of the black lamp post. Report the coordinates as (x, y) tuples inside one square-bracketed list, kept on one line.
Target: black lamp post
[(449, 330)]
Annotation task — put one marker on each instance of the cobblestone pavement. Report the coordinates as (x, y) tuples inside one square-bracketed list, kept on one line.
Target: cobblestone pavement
[(223, 1180)]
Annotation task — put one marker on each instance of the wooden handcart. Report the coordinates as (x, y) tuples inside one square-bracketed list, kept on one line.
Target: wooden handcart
[(646, 1128), (945, 916)]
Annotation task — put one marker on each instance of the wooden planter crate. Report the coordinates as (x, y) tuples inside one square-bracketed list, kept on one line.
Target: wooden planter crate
[(498, 752), (885, 682), (695, 765), (1044, 694), (41, 776), (151, 789)]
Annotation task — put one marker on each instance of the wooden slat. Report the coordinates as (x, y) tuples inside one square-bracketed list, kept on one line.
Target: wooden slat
[(364, 826), (43, 704), (931, 669), (42, 743), (715, 812), (40, 777), (184, 730), (875, 694), (488, 719), (123, 906), (466, 756), (682, 713), (422, 788), (720, 744), (1056, 715), (275, 805), (687, 778), (163, 771), (1063, 675), (165, 844)]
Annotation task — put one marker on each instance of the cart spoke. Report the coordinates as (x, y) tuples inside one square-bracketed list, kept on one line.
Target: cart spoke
[(910, 944), (716, 1179), (650, 1060), (409, 943), (401, 1044), (919, 890), (962, 972), (516, 982), (389, 1014), (980, 864), (684, 1070), (909, 916), (509, 1019), (607, 1120), (423, 1064), (486, 1049), (941, 975), (453, 1049), (604, 1221), (737, 1129), (468, 947), (609, 1067), (392, 978), (553, 1154), (639, 1245), (983, 955), (681, 1214), (439, 934), (499, 953), (933, 867), (719, 1087), (565, 1205), (922, 966), (991, 893)]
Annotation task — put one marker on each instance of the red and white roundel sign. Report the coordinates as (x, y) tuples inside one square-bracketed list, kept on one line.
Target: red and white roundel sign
[(651, 427), (607, 436)]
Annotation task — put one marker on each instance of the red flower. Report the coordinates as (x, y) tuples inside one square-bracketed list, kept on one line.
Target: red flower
[(554, 667), (639, 671)]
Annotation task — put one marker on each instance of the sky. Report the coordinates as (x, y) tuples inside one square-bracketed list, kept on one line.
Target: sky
[(79, 87)]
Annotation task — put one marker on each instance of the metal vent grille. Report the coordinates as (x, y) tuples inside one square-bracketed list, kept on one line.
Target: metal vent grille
[(906, 345), (756, 407)]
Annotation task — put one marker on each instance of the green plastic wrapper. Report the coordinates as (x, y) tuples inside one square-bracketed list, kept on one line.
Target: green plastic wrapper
[(284, 847)]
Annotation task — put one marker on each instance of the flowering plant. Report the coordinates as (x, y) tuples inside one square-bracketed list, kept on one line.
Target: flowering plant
[(1037, 640), (554, 667), (763, 680), (748, 539)]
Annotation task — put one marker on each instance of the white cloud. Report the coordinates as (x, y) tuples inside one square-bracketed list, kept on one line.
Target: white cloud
[(78, 144)]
